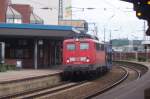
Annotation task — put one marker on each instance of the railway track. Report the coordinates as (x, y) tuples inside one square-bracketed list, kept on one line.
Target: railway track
[(139, 67), (42, 91), (80, 91), (49, 91), (108, 87), (84, 89), (133, 74)]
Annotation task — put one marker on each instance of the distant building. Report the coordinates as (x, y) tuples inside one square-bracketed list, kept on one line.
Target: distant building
[(3, 10), (125, 45), (80, 25), (27, 13), (17, 13), (120, 42), (53, 9), (13, 16)]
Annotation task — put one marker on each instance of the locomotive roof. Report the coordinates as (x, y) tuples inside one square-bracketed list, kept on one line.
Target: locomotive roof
[(83, 35), (83, 39)]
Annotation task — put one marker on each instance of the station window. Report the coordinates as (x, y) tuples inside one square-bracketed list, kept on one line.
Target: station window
[(19, 49), (84, 46), (18, 53), (70, 47)]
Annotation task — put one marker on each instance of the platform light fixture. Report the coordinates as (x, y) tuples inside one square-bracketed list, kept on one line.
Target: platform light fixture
[(148, 2)]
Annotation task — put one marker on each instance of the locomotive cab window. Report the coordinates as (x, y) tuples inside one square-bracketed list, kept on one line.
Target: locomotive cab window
[(70, 47), (84, 46)]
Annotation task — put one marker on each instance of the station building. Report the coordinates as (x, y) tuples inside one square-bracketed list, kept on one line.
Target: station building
[(27, 40), (37, 46)]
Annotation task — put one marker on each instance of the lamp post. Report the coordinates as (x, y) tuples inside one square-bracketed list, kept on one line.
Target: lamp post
[(110, 18)]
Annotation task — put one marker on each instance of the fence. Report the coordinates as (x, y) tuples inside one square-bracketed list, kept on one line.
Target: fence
[(138, 56)]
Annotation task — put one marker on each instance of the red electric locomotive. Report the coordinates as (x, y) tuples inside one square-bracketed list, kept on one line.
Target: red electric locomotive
[(85, 56)]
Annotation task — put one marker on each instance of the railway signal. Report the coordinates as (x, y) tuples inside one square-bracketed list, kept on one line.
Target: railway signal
[(142, 8)]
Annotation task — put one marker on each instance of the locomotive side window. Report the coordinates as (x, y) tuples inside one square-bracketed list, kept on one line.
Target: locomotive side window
[(102, 47), (71, 47), (99, 47), (84, 46)]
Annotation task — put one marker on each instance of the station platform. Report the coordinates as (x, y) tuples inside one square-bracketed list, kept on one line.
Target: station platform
[(132, 90), (12, 82), (24, 74)]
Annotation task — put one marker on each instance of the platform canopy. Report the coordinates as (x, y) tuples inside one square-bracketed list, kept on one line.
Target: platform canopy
[(35, 30)]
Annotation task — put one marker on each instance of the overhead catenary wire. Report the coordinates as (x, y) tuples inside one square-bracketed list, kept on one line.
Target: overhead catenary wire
[(39, 3)]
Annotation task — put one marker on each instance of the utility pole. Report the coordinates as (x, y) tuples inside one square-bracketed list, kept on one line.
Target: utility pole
[(110, 36), (96, 31), (60, 12), (144, 30), (145, 39), (104, 34)]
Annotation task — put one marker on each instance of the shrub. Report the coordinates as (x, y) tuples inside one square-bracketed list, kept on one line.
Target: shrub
[(5, 67), (141, 59)]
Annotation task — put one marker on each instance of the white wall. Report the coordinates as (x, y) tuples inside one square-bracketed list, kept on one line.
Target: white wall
[(49, 16), (67, 12)]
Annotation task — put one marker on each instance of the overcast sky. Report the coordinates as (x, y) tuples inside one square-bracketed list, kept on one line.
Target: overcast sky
[(113, 15)]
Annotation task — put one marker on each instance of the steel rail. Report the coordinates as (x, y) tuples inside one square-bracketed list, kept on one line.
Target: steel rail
[(49, 91), (116, 83), (28, 92), (136, 70), (124, 77)]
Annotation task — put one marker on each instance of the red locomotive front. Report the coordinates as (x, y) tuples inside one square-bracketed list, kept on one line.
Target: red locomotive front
[(85, 58), (82, 54)]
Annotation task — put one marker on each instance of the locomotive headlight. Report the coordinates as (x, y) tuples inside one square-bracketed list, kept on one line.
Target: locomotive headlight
[(87, 60), (67, 61), (77, 40)]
